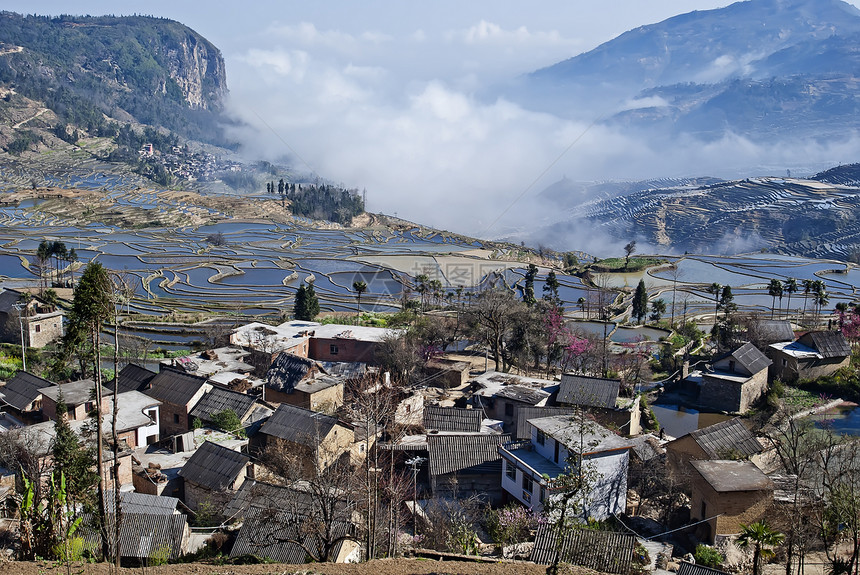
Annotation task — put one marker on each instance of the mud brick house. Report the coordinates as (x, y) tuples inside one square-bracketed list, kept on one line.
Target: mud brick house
[(41, 323), (530, 466), (303, 382), (599, 396), (446, 373), (178, 393), (814, 354), (212, 475), (78, 397), (23, 394), (725, 440), (728, 494), (317, 440), (736, 380)]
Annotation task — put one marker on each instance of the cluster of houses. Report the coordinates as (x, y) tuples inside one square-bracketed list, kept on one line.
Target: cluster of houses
[(506, 437)]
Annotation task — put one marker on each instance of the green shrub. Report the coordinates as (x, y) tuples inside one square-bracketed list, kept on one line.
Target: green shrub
[(707, 556)]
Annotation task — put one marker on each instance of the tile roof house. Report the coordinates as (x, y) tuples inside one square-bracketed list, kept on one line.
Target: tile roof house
[(452, 419), (211, 472), (178, 392), (40, 322), (599, 396), (814, 354), (725, 440), (316, 439), (287, 537), (726, 495), (301, 381), (736, 380), (529, 467), (78, 397), (501, 394), (218, 400), (23, 393), (472, 458), (133, 378)]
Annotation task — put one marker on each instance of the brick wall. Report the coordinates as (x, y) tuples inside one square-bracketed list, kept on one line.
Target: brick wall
[(337, 349), (734, 508)]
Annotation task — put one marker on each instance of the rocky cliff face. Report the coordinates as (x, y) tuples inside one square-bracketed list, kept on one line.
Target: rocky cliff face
[(198, 69)]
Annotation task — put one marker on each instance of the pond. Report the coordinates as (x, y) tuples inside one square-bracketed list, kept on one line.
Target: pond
[(843, 419), (627, 334), (678, 420)]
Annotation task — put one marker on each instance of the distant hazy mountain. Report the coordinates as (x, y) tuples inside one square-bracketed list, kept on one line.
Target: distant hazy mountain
[(759, 68)]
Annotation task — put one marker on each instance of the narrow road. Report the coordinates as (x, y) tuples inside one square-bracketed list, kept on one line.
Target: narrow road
[(33, 117)]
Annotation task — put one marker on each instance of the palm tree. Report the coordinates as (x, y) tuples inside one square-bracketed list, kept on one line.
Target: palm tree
[(790, 288), (774, 290), (808, 286), (360, 287), (761, 537)]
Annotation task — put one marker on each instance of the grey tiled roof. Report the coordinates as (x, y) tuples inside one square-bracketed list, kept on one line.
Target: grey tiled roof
[(175, 386), (288, 370), (267, 533), (774, 330), (827, 343), (588, 391), (214, 466), (751, 358), (452, 419), (454, 452), (23, 389), (727, 436), (525, 412), (727, 476), (252, 493), (299, 425), (144, 535), (133, 378), (686, 568), (603, 551), (7, 299), (219, 399)]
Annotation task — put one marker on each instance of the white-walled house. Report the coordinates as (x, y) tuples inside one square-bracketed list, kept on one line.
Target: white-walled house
[(530, 466)]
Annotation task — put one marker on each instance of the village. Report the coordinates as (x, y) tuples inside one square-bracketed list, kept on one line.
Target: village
[(307, 441)]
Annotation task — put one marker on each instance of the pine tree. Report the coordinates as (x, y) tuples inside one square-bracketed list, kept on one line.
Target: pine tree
[(313, 302), (300, 305), (75, 461), (529, 288), (550, 289), (640, 301)]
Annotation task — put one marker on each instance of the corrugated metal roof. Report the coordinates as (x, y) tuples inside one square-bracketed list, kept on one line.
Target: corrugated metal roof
[(751, 358), (827, 343), (143, 535), (133, 378), (263, 494), (453, 452), (588, 391), (214, 466), (219, 399), (693, 569), (23, 389), (175, 386), (288, 370), (452, 419), (604, 551), (730, 436), (299, 425), (134, 502), (273, 534), (523, 413)]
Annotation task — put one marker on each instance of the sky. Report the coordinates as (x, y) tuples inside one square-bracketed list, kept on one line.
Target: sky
[(384, 95)]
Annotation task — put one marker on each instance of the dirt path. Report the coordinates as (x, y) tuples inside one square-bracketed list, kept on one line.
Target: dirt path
[(378, 567), (33, 117)]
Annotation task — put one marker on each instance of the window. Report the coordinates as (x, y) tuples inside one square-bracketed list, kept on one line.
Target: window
[(541, 437), (333, 349), (528, 484), (38, 328), (89, 406), (510, 470), (542, 493), (731, 366), (175, 418), (509, 409)]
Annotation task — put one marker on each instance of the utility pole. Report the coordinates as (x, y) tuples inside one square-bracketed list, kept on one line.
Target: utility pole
[(415, 463), (20, 307)]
